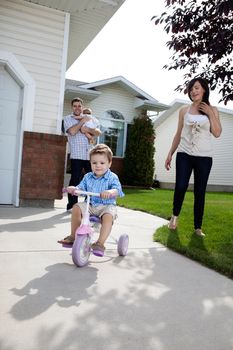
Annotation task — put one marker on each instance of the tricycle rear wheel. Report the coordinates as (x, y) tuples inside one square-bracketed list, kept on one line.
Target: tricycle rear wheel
[(122, 245)]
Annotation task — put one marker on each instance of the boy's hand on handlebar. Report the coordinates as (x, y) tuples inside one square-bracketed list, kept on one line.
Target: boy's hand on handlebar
[(71, 190), (108, 194), (105, 195)]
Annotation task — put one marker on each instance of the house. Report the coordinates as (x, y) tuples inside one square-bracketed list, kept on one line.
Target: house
[(115, 102), (221, 176), (39, 41)]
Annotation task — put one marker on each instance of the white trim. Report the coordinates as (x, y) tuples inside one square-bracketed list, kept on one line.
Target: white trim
[(187, 102), (177, 103), (150, 105), (122, 80), (19, 73), (77, 90), (124, 123), (63, 72), (125, 137), (25, 80), (224, 110)]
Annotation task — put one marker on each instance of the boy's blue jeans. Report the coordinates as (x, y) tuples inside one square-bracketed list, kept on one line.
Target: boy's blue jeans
[(201, 167)]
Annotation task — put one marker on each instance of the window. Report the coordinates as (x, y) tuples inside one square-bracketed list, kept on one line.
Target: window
[(113, 129)]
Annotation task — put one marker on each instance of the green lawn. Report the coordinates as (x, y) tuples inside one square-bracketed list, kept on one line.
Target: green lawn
[(215, 250)]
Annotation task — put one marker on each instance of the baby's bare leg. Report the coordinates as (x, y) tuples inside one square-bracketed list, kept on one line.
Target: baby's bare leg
[(106, 227), (88, 135)]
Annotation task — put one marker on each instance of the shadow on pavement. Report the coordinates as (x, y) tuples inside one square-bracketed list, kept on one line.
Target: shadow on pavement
[(60, 285), (32, 223)]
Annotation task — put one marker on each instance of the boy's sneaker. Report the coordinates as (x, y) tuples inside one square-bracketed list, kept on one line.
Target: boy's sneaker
[(98, 249), (67, 241)]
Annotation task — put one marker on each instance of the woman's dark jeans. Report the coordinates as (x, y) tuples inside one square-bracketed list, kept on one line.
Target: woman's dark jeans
[(201, 167)]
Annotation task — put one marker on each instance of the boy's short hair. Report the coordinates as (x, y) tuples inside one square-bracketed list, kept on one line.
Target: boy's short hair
[(101, 148), (76, 99)]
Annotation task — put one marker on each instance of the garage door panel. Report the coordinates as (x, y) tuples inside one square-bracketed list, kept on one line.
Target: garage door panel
[(7, 152), (7, 185), (8, 118), (10, 103)]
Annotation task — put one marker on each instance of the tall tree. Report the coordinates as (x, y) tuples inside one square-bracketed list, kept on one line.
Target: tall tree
[(202, 40)]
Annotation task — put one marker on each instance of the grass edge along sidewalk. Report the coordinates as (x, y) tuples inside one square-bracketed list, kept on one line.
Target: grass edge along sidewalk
[(215, 250)]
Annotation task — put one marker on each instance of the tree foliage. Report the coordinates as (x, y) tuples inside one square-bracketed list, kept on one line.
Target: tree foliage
[(139, 154), (202, 41)]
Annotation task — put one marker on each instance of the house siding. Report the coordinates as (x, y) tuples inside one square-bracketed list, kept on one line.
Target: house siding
[(35, 35), (67, 107), (164, 136), (222, 170), (221, 176), (114, 98)]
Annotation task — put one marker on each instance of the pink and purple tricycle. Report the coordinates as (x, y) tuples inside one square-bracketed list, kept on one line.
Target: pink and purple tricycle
[(81, 248)]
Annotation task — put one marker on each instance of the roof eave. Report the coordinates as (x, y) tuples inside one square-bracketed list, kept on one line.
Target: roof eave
[(72, 92), (128, 85), (151, 106)]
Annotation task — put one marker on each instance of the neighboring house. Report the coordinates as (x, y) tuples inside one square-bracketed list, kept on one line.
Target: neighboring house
[(39, 40), (221, 176), (115, 102)]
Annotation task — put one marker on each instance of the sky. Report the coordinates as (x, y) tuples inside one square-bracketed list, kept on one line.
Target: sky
[(131, 45)]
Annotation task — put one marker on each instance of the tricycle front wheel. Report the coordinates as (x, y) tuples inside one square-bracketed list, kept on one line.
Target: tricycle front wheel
[(81, 250)]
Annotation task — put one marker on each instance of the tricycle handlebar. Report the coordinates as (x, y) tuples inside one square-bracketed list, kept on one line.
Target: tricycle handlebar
[(85, 193)]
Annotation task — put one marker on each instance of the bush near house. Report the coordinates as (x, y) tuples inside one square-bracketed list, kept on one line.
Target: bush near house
[(139, 155)]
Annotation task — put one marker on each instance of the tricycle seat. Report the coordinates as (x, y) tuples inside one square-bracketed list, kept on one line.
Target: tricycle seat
[(95, 219)]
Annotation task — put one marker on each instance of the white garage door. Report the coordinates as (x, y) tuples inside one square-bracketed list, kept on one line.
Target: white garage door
[(10, 93)]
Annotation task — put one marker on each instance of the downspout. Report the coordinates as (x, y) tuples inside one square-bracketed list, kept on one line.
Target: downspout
[(63, 72)]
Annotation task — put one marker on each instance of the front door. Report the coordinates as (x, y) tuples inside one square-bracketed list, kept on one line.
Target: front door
[(10, 93)]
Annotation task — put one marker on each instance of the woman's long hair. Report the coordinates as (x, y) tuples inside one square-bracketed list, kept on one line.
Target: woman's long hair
[(204, 85)]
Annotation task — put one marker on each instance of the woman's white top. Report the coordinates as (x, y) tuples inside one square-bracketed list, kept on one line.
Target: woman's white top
[(196, 136)]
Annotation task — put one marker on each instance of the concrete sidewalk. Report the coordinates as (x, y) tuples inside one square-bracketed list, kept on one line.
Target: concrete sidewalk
[(152, 299)]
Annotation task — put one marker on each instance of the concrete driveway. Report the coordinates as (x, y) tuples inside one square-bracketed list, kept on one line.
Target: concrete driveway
[(152, 299)]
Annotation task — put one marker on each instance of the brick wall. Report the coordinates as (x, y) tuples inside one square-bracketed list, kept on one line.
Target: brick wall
[(117, 167), (42, 173)]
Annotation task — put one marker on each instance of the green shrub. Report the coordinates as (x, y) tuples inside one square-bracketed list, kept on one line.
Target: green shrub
[(139, 155)]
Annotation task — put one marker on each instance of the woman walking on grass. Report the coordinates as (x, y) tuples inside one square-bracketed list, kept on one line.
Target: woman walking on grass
[(192, 141)]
